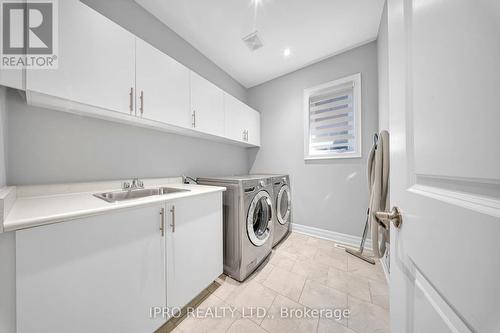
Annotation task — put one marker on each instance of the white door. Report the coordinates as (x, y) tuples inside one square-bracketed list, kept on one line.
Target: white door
[(162, 86), (95, 274), (234, 122), (444, 74), (96, 61), (207, 106), (194, 247)]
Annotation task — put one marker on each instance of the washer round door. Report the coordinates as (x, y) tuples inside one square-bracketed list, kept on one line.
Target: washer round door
[(283, 204), (259, 218)]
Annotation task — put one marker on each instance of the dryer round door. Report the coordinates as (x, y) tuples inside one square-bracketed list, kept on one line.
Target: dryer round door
[(259, 218), (283, 204)]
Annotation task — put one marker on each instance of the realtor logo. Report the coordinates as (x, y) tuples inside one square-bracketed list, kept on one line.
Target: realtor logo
[(29, 34)]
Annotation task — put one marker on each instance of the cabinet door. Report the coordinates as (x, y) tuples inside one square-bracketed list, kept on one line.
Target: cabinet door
[(96, 274), (96, 61), (194, 246), (234, 118), (252, 119), (207, 106), (12, 78), (242, 123), (164, 85)]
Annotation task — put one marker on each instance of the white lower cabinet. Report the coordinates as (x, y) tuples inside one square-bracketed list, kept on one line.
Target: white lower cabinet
[(96, 274), (104, 273), (194, 246)]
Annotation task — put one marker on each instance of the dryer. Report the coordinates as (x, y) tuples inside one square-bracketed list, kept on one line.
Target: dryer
[(248, 216), (283, 207)]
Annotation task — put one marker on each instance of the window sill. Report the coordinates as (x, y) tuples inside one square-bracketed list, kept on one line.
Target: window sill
[(315, 158)]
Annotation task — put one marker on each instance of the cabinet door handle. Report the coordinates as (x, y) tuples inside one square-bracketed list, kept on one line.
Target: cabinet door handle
[(193, 120), (131, 100), (142, 102), (172, 210), (162, 221), (243, 135), (247, 136)]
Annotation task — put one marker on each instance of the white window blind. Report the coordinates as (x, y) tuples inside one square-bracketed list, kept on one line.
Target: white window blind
[(332, 118)]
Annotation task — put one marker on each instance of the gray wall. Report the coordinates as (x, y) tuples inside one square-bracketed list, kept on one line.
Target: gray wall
[(331, 194), (47, 146), (383, 72), (134, 18)]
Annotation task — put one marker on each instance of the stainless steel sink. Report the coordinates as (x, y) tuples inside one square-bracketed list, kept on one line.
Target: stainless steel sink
[(137, 193)]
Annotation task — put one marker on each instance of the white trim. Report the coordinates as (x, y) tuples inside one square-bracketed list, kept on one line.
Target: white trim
[(355, 79), (344, 239)]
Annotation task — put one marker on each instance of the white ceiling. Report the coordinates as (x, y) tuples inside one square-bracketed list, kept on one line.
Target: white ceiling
[(312, 29)]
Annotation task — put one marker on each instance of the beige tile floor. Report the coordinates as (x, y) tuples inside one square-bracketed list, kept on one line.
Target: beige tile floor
[(302, 272)]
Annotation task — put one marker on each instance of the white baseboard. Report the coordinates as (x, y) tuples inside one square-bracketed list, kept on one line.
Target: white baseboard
[(344, 239)]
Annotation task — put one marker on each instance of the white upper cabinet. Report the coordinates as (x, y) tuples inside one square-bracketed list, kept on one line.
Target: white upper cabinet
[(242, 122), (252, 120), (106, 72), (162, 87), (207, 106), (96, 61), (234, 112), (12, 78)]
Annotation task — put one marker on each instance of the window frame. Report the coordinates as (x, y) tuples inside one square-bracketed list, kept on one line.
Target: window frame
[(356, 80)]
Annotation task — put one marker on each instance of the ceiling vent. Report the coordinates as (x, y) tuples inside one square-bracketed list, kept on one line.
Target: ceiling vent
[(253, 41)]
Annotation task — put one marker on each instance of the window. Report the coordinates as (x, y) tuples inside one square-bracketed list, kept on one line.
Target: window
[(332, 114)]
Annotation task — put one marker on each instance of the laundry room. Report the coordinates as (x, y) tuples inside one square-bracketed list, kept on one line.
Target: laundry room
[(263, 166)]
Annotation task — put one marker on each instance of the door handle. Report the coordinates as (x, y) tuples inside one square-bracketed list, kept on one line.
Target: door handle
[(193, 120), (142, 102), (131, 100), (162, 221), (394, 216), (172, 210)]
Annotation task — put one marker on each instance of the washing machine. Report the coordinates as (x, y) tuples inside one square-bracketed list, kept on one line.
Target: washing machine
[(248, 221), (283, 207)]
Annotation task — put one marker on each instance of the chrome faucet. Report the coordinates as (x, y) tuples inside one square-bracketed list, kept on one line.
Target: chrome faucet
[(136, 184), (188, 180)]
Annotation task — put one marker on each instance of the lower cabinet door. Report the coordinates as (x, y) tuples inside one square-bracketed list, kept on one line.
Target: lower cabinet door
[(99, 274), (194, 247)]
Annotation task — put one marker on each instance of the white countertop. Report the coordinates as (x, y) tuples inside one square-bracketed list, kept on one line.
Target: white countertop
[(67, 201)]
